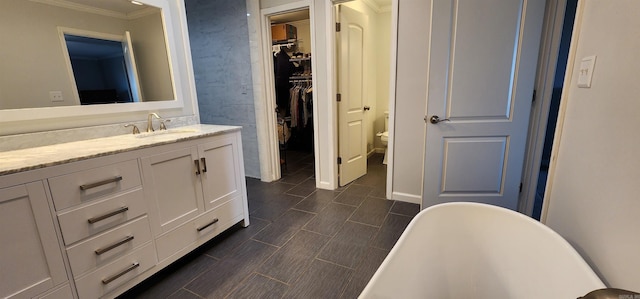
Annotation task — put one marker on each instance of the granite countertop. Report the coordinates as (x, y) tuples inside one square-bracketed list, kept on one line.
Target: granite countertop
[(51, 155)]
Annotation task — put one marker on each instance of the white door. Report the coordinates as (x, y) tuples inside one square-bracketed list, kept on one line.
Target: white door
[(352, 141), (132, 69), (481, 75)]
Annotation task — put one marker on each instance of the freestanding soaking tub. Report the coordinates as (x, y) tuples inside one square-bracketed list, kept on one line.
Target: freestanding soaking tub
[(471, 250)]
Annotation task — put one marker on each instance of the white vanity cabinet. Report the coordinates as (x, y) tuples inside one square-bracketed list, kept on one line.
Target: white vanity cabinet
[(194, 191), (96, 224), (31, 261)]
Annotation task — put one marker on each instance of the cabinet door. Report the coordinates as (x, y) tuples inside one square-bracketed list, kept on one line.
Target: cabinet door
[(31, 258), (172, 188), (221, 181)]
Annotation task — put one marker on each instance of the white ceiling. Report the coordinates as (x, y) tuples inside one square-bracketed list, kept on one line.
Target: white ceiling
[(120, 8), (290, 17), (304, 14)]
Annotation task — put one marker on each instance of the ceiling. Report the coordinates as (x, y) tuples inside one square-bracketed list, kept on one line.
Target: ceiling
[(290, 17), (377, 5), (105, 7)]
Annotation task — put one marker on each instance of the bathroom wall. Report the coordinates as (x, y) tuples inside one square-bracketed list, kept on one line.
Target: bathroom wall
[(592, 198), (149, 46), (222, 68), (383, 61), (32, 59), (411, 95), (303, 28)]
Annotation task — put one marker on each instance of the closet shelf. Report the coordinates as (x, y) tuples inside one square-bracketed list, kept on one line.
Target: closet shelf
[(300, 77), (300, 59)]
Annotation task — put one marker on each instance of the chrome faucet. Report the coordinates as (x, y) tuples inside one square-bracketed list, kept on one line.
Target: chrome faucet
[(150, 121)]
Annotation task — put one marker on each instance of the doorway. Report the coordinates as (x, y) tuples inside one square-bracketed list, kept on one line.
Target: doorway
[(293, 89), (363, 60), (324, 77), (558, 84)]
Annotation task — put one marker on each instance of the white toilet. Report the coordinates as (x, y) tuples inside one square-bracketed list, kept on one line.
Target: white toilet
[(384, 136)]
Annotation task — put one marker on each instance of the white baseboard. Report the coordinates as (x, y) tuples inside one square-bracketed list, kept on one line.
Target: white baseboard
[(379, 150), (412, 198), (325, 186)]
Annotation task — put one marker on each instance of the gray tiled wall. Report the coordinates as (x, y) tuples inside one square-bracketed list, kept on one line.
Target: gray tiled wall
[(220, 50)]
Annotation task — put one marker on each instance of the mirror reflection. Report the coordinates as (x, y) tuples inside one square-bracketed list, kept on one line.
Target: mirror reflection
[(72, 52), (101, 72)]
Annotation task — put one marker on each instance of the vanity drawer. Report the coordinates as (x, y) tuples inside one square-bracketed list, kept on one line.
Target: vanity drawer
[(78, 187), (208, 224), (108, 278), (108, 246), (99, 216)]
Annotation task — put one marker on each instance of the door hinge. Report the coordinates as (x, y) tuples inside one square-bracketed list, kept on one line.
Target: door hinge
[(337, 27), (338, 97), (520, 188), (339, 160), (533, 100)]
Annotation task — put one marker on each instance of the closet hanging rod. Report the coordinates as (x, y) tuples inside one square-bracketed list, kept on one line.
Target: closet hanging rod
[(282, 42), (300, 80), (300, 77)]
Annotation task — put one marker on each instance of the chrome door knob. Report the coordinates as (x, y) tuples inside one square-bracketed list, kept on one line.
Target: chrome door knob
[(436, 119)]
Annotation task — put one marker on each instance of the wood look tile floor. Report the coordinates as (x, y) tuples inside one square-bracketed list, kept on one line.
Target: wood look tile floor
[(303, 242)]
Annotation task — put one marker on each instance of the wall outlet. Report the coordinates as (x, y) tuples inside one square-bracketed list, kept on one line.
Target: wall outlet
[(56, 96)]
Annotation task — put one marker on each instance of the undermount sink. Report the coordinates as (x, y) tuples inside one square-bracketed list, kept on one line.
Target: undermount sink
[(165, 132)]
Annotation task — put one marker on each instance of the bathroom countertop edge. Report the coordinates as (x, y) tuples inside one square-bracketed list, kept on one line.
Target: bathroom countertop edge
[(51, 155)]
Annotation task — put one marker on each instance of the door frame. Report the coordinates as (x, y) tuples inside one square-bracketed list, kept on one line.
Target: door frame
[(547, 61), (263, 80), (326, 167)]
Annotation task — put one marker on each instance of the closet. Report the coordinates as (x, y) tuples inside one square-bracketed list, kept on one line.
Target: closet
[(291, 41)]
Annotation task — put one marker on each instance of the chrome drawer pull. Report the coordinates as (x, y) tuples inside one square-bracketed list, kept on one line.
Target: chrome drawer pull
[(197, 162), (107, 215), (114, 245), (207, 225), (100, 183), (204, 164), (125, 271)]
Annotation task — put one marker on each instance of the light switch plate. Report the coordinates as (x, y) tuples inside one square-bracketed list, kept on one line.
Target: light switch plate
[(586, 71)]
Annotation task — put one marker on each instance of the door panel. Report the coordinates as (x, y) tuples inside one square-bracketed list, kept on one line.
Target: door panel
[(31, 260), (473, 166), (173, 187), (220, 181), (482, 68), (352, 146), (491, 74)]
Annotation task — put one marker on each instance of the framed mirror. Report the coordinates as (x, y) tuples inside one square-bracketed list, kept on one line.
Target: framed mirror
[(60, 60)]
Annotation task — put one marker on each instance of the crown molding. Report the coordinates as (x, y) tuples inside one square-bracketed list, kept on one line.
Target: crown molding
[(98, 11)]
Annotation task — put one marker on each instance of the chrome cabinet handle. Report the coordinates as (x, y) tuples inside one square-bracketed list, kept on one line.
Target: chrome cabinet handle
[(197, 162), (204, 164), (207, 225), (123, 272), (114, 245), (107, 215), (436, 119), (100, 183)]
